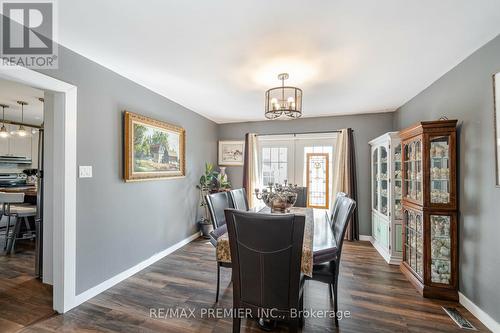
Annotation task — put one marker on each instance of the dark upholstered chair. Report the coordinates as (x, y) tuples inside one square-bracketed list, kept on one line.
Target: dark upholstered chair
[(301, 197), (331, 214), (329, 272), (214, 239), (239, 199), (266, 251), (216, 203)]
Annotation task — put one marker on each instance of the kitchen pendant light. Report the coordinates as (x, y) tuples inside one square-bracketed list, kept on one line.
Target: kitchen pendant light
[(3, 131), (283, 101), (21, 130)]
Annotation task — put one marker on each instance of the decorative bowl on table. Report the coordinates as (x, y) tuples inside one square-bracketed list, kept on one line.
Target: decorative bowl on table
[(280, 197)]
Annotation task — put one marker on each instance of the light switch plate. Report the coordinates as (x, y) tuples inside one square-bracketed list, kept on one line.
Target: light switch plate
[(85, 171)]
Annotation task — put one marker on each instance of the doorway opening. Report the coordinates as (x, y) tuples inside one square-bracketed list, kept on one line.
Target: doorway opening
[(21, 205)]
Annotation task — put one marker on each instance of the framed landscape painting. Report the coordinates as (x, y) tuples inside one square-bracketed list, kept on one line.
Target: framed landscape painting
[(231, 152), (153, 149)]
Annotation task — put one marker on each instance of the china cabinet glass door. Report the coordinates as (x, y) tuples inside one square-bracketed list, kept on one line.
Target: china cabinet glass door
[(414, 241), (440, 249), (440, 169), (384, 181), (413, 169), (398, 186), (375, 178)]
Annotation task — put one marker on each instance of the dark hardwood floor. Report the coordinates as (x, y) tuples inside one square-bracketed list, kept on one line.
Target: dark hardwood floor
[(377, 295), (24, 300)]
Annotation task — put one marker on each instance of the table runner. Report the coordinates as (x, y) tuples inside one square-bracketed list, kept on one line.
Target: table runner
[(223, 253)]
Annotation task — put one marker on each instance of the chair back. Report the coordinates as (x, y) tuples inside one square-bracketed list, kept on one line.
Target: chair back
[(239, 199), (11, 198), (301, 197), (266, 252), (345, 211), (216, 203), (332, 214)]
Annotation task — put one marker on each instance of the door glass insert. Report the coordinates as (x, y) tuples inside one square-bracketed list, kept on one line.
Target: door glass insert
[(274, 165), (317, 179), (440, 169)]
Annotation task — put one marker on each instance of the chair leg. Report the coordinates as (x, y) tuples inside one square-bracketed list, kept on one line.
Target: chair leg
[(330, 288), (236, 324), (301, 309), (335, 304), (218, 283), (15, 232), (7, 234), (294, 325)]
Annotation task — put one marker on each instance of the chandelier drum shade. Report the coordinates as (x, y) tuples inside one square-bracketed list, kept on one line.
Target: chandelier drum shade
[(283, 101)]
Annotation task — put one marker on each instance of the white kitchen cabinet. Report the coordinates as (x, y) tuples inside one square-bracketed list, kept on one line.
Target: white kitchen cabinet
[(15, 145)]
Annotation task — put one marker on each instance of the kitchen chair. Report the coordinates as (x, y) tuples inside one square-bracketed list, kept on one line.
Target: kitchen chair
[(329, 272), (332, 213), (239, 199), (301, 197), (216, 203), (12, 206), (266, 252)]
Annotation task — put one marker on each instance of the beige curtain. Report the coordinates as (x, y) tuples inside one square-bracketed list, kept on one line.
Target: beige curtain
[(344, 175), (251, 168)]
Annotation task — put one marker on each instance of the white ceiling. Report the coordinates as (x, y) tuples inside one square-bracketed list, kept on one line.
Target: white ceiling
[(11, 92), (218, 57)]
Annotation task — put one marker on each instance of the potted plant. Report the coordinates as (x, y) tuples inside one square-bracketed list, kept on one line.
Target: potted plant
[(210, 182), (206, 185)]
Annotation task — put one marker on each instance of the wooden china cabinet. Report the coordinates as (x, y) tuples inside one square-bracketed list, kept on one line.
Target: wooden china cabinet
[(430, 226)]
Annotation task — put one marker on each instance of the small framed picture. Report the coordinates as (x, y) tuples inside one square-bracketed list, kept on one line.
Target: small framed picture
[(231, 153), (496, 121)]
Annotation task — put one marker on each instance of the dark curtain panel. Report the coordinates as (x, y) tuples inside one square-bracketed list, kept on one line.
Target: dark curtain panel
[(353, 230), (246, 180)]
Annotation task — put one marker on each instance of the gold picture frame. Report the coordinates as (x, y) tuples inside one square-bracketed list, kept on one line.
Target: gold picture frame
[(153, 149)]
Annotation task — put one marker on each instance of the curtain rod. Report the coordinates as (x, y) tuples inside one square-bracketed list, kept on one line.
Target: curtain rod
[(319, 132)]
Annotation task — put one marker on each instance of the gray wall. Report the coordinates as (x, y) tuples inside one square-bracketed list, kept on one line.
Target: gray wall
[(121, 224), (465, 93), (366, 127)]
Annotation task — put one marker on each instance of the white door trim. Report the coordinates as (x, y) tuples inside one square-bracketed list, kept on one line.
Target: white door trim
[(64, 197)]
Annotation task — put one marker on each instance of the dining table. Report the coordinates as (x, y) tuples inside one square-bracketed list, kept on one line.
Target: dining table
[(318, 246)]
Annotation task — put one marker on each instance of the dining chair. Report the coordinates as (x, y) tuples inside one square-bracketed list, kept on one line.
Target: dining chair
[(331, 214), (239, 199), (301, 197), (12, 206), (216, 203), (214, 240), (329, 272), (266, 252)]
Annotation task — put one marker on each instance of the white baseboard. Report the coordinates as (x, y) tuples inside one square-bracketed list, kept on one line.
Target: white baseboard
[(365, 238), (479, 314), (94, 291)]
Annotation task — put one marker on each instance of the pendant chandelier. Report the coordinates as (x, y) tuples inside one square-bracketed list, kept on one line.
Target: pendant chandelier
[(21, 130), (3, 131), (283, 101)]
